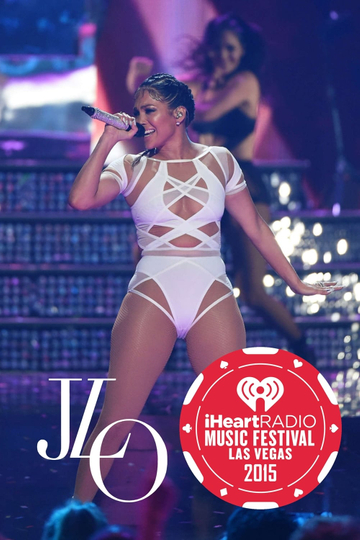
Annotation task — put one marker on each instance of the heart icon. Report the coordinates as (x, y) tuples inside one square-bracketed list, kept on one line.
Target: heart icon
[(298, 492), (297, 363), (333, 428), (223, 364), (250, 390)]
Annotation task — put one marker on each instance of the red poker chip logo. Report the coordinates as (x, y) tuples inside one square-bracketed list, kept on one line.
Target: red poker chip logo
[(260, 428)]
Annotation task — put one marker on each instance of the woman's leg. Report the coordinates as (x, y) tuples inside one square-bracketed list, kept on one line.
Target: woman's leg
[(220, 331), (142, 339), (249, 271)]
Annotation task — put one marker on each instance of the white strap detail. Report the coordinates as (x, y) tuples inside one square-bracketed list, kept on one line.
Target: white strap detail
[(153, 302), (209, 307)]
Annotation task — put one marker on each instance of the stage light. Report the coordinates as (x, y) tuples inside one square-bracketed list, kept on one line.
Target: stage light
[(342, 246), (284, 190), (287, 246), (310, 256), (289, 292), (283, 234), (314, 308), (300, 228), (285, 222), (274, 180), (276, 225), (317, 229), (356, 292), (236, 292), (313, 277), (53, 89), (268, 280), (327, 257)]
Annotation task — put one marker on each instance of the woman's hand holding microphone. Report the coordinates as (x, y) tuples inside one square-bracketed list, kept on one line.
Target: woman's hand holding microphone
[(117, 135)]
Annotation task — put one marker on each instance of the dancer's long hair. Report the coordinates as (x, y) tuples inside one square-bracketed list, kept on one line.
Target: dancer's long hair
[(200, 59)]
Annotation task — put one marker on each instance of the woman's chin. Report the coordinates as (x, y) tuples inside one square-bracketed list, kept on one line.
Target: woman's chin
[(231, 71), (149, 147)]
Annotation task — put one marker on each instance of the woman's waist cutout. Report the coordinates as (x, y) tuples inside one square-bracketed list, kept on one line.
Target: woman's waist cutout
[(182, 253)]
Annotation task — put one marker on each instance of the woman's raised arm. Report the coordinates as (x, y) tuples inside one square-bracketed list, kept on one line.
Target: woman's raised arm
[(87, 191)]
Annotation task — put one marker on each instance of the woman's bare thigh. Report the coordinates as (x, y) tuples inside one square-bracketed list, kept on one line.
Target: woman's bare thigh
[(220, 331), (142, 340)]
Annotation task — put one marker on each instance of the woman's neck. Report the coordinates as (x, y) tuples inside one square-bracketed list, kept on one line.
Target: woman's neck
[(217, 82), (175, 149)]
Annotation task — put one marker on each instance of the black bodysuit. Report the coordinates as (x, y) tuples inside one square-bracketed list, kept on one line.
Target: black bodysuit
[(236, 126)]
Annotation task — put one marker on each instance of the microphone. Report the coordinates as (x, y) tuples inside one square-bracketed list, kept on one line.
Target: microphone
[(98, 114)]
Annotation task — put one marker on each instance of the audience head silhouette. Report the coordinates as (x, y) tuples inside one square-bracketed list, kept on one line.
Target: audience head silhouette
[(74, 521), (329, 528), (246, 524), (113, 532)]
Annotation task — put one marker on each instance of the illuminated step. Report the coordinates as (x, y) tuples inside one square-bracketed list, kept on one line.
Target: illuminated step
[(46, 186), (40, 344)]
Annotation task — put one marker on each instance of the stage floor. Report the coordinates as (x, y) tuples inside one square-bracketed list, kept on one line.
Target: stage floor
[(32, 486)]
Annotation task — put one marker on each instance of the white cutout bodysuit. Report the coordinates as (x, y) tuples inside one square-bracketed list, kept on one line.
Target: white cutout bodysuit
[(177, 206)]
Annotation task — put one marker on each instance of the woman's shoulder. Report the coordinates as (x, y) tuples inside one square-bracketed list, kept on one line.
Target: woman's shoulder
[(219, 150), (125, 159), (226, 160), (203, 149), (124, 162), (245, 77)]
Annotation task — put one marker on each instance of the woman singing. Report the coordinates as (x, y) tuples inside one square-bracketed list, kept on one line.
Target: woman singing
[(177, 191)]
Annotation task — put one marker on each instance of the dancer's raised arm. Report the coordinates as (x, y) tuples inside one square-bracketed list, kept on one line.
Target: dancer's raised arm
[(140, 67)]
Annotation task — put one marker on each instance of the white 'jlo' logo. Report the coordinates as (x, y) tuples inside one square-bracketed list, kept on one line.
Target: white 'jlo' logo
[(95, 452)]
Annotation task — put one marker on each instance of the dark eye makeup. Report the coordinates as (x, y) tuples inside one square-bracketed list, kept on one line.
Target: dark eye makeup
[(147, 110)]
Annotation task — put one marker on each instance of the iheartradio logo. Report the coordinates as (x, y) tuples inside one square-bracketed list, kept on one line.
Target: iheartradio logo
[(251, 389), (259, 428)]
